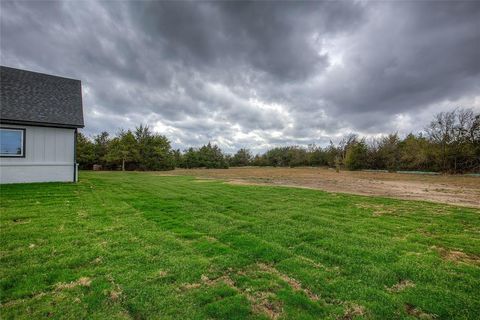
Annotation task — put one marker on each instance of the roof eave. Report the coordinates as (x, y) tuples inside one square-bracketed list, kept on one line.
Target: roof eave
[(40, 124)]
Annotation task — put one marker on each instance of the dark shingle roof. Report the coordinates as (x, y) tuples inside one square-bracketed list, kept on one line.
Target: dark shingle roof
[(41, 99)]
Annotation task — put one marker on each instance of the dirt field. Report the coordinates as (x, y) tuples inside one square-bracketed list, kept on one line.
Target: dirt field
[(457, 190)]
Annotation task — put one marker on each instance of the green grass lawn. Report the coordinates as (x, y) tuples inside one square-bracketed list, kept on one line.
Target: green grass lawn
[(143, 246)]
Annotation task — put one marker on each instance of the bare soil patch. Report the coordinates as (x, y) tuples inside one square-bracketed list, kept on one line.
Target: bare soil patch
[(456, 190)]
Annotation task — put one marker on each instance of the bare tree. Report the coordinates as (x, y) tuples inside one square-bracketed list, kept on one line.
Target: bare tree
[(441, 131)]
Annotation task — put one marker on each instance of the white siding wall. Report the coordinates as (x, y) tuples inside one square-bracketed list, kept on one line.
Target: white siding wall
[(49, 154)]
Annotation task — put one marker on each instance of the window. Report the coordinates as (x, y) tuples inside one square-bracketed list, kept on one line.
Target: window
[(12, 142)]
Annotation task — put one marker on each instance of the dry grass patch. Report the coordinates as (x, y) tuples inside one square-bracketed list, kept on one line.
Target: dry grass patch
[(296, 285), (265, 303), (417, 313), (262, 302), (379, 210), (353, 310), (82, 282), (313, 263), (190, 286), (15, 302), (162, 273), (116, 293), (457, 256), (97, 260), (402, 285), (21, 221), (225, 279)]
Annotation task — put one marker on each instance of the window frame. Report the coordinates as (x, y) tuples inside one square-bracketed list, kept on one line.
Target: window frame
[(24, 133)]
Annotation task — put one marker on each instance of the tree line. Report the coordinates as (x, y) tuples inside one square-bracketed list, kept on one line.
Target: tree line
[(450, 143)]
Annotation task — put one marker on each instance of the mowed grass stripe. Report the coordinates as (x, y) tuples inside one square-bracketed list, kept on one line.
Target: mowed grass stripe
[(153, 246)]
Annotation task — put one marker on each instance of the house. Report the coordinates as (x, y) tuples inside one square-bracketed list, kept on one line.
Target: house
[(39, 118)]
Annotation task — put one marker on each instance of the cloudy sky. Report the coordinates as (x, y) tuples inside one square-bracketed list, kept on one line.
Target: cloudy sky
[(254, 75)]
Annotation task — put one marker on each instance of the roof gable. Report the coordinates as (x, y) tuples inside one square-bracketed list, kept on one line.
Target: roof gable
[(42, 99)]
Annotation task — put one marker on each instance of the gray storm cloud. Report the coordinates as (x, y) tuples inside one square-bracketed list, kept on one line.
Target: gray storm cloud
[(253, 74)]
